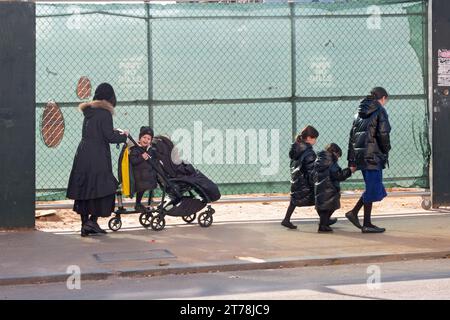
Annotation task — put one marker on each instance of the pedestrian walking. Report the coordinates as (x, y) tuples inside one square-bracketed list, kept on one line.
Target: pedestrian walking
[(302, 158), (368, 151), (327, 189)]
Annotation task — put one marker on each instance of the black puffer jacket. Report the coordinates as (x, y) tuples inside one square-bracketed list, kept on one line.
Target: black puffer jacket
[(327, 177), (144, 175), (302, 166), (369, 142)]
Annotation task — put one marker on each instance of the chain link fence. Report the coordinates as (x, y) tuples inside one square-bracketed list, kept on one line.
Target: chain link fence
[(232, 84)]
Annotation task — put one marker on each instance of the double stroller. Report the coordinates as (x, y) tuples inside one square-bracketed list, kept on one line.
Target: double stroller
[(185, 191)]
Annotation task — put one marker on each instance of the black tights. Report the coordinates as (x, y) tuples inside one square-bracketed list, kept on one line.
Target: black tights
[(367, 211), (140, 195), (289, 212), (325, 216)]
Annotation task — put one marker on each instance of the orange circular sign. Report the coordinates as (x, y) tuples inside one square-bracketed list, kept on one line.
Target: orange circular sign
[(84, 88), (52, 125)]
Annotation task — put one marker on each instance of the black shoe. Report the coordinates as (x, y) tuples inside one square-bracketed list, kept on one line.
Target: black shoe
[(84, 232), (324, 229), (92, 228), (288, 224), (87, 230), (353, 218), (332, 221), (373, 229), (98, 229)]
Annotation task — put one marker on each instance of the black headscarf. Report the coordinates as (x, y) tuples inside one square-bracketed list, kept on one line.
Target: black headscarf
[(105, 92)]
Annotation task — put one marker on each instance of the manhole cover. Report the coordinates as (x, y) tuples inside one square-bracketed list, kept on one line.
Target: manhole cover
[(134, 255)]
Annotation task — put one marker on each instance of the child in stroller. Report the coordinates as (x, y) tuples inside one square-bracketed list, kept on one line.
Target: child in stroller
[(144, 175), (185, 190)]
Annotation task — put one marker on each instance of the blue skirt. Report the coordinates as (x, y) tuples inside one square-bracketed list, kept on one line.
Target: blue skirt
[(375, 190)]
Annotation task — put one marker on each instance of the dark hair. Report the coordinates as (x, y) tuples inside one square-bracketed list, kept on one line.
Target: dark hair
[(308, 131), (146, 130), (334, 148), (378, 93)]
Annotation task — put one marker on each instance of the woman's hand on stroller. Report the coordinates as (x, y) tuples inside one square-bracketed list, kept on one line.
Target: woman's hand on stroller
[(123, 132)]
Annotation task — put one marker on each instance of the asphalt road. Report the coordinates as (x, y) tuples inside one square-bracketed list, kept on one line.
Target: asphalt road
[(398, 280)]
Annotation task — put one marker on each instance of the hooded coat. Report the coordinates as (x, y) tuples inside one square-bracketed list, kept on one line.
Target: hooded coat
[(369, 142), (327, 177), (91, 176), (302, 166)]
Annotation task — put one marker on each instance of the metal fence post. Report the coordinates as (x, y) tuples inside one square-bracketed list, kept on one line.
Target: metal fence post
[(149, 66), (293, 71)]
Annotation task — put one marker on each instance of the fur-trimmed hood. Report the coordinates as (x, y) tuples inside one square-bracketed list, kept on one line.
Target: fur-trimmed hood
[(97, 104)]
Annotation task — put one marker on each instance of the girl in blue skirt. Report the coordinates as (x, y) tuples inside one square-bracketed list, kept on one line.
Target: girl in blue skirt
[(368, 151)]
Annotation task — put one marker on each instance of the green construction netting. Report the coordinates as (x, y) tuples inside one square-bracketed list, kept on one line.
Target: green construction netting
[(233, 83)]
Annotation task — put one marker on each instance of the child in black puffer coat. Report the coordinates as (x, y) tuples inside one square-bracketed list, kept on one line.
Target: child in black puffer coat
[(302, 166), (327, 177), (144, 175)]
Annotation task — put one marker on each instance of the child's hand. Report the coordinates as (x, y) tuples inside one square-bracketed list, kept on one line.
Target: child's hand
[(145, 156)]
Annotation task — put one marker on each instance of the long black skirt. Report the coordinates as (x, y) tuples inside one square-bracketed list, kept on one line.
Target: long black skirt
[(100, 207)]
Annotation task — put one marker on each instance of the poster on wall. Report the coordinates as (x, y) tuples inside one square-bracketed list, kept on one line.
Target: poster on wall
[(444, 68)]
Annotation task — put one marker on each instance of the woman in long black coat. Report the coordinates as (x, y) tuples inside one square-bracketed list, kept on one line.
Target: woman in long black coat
[(92, 184)]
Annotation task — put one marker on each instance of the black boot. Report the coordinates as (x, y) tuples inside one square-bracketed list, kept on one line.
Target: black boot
[(352, 215), (373, 229), (324, 229), (353, 218), (287, 219), (95, 225), (368, 226), (324, 223), (332, 221), (288, 224), (87, 229), (139, 206), (84, 231)]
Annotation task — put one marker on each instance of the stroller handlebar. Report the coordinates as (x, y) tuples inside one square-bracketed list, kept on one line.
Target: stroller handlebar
[(132, 140)]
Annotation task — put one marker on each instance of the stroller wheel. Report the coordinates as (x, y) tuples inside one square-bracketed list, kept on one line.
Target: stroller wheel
[(189, 219), (205, 219), (115, 224), (145, 219), (157, 223)]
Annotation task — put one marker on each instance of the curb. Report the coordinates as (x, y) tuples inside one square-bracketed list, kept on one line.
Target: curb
[(51, 278), (224, 266), (229, 265)]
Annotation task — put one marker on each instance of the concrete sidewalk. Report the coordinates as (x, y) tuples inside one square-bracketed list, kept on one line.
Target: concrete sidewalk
[(32, 257)]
